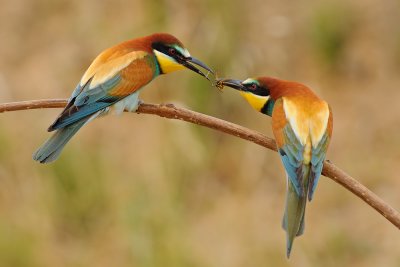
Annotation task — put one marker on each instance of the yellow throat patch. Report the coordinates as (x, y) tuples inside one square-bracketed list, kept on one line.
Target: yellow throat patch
[(167, 64), (256, 101)]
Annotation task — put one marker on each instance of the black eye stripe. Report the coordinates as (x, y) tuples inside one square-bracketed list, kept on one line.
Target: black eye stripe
[(257, 90), (167, 50)]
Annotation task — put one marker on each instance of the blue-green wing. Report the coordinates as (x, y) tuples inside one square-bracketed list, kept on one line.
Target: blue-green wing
[(317, 162), (95, 96), (84, 103), (292, 157)]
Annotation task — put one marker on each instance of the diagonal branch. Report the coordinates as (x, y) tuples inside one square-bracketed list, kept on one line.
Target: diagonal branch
[(171, 112)]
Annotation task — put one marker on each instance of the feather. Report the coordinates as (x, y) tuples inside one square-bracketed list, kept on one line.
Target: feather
[(317, 162), (295, 155), (292, 157), (293, 219), (52, 148), (91, 99)]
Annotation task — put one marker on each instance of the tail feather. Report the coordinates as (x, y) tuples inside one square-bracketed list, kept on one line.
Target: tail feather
[(293, 219), (302, 225), (52, 148)]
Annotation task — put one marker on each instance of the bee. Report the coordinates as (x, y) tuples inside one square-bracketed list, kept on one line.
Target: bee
[(218, 83)]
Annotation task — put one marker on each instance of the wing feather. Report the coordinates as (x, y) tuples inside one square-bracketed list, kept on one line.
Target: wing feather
[(293, 151), (318, 156), (290, 148), (94, 95)]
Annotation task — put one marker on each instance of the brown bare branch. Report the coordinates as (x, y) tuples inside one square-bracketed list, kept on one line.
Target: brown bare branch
[(171, 112)]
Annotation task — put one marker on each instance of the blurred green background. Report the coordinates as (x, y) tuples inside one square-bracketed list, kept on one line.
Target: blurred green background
[(138, 190)]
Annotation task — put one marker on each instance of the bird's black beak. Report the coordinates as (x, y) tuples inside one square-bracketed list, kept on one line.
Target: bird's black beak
[(235, 84), (187, 63)]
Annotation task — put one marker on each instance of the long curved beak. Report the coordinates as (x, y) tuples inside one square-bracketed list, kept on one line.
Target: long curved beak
[(235, 84), (187, 63)]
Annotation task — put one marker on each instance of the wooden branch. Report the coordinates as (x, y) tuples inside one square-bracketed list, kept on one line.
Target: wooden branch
[(171, 112)]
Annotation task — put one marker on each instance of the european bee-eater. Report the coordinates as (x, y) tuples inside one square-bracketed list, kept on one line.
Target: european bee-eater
[(114, 79), (302, 125)]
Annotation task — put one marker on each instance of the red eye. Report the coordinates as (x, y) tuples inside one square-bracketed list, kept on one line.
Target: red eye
[(253, 86), (171, 51)]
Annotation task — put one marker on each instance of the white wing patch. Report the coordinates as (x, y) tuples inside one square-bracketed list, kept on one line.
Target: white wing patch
[(101, 72), (307, 122)]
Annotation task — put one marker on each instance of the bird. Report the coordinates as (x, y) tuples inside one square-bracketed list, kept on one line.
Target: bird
[(113, 81), (302, 125)]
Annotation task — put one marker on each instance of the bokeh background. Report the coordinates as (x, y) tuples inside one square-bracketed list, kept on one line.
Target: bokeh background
[(138, 190)]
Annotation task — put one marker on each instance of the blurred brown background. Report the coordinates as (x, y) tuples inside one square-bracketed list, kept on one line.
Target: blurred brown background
[(138, 190)]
